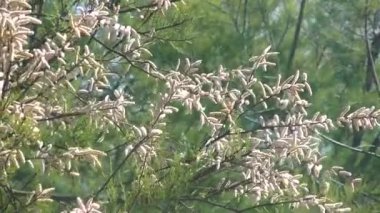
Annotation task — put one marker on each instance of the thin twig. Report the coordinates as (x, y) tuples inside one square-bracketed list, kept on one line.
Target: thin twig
[(55, 197), (125, 57), (268, 204), (132, 9), (211, 203), (348, 147)]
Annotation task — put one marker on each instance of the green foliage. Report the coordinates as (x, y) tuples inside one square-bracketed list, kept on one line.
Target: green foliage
[(331, 49)]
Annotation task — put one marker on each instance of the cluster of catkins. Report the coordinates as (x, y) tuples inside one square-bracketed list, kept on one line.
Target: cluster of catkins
[(40, 82)]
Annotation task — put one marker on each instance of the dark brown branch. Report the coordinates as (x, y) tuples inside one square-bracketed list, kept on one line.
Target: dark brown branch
[(175, 24), (60, 116), (283, 34), (296, 35), (70, 114), (372, 53), (6, 69), (110, 177), (245, 17), (233, 186)]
